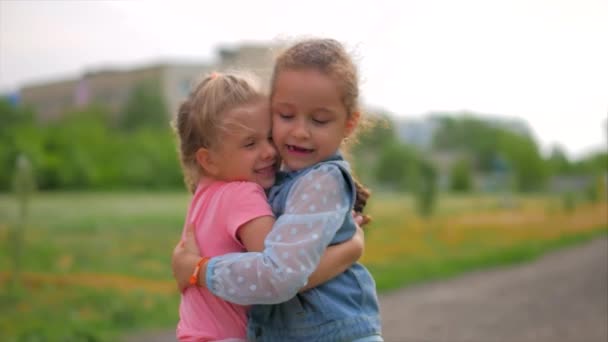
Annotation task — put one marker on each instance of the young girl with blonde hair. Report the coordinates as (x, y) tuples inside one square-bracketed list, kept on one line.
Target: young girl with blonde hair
[(228, 161), (314, 104)]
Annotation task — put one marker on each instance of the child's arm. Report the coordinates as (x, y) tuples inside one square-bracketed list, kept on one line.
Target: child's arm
[(335, 260), (315, 209)]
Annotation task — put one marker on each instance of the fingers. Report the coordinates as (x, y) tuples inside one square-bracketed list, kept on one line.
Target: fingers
[(359, 220), (190, 245)]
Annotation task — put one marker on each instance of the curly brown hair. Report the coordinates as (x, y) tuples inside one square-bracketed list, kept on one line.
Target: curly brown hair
[(329, 57)]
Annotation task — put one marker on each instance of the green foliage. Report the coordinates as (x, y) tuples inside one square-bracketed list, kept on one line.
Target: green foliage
[(467, 133), (380, 132), (145, 108), (596, 190), (460, 176), (24, 186), (400, 167), (568, 201), (558, 162), (487, 142), (595, 163), (376, 137), (397, 167), (528, 165), (82, 150), (426, 192), (13, 121)]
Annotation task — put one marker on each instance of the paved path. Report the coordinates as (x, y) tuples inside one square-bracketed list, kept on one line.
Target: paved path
[(561, 297)]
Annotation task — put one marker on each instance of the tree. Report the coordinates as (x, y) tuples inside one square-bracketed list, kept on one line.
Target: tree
[(24, 185), (426, 189), (460, 176), (397, 167), (527, 164), (145, 107), (486, 140), (595, 163), (13, 120), (558, 162), (376, 134)]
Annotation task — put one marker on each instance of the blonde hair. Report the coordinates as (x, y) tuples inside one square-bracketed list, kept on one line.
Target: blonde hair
[(201, 117)]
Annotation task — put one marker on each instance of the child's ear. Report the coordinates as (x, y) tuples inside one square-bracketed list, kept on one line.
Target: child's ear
[(351, 122), (205, 160)]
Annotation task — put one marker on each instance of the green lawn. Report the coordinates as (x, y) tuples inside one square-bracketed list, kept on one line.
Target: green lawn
[(96, 265)]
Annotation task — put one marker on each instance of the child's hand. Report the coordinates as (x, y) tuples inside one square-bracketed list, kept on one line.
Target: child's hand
[(361, 220), (184, 259), (359, 237), (190, 242)]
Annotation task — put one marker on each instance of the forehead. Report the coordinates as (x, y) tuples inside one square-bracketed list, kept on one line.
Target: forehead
[(248, 118), (306, 86)]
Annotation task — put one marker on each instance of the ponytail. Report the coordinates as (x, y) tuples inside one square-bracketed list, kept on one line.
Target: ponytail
[(362, 196)]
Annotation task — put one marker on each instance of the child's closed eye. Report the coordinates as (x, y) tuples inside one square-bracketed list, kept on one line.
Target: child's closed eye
[(320, 122), (285, 116)]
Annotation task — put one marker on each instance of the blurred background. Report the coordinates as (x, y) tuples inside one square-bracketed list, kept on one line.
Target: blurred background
[(489, 148)]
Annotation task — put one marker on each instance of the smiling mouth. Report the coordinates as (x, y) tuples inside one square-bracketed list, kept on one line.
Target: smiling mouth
[(268, 170), (292, 148)]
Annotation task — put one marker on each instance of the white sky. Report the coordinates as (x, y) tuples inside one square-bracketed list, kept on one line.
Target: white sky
[(545, 61)]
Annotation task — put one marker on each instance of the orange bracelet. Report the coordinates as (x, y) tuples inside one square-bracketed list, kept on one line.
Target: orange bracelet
[(197, 269)]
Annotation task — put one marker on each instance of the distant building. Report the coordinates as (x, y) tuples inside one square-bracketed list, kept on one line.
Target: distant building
[(570, 183), (420, 132), (250, 58), (417, 132), (112, 88)]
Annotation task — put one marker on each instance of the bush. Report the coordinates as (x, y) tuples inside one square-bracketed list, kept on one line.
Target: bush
[(460, 176)]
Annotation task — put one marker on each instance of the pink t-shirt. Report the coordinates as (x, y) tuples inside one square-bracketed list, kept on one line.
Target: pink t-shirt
[(217, 210)]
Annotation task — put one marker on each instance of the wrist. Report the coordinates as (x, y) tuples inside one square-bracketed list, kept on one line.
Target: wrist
[(202, 275), (200, 269)]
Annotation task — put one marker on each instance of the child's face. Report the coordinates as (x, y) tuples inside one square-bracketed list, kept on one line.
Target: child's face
[(245, 152), (309, 118)]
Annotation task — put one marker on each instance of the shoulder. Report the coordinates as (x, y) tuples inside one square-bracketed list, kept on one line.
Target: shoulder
[(331, 167), (322, 188), (337, 170), (242, 185), (327, 176), (238, 191)]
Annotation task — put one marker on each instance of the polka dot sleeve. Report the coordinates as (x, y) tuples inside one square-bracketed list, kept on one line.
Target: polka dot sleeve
[(315, 210)]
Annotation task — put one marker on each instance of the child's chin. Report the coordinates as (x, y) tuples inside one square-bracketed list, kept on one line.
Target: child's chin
[(298, 165), (267, 184)]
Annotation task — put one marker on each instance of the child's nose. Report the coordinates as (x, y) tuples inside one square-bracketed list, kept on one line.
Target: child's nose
[(301, 131)]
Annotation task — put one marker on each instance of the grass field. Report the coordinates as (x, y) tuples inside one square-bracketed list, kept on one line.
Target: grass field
[(96, 265)]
